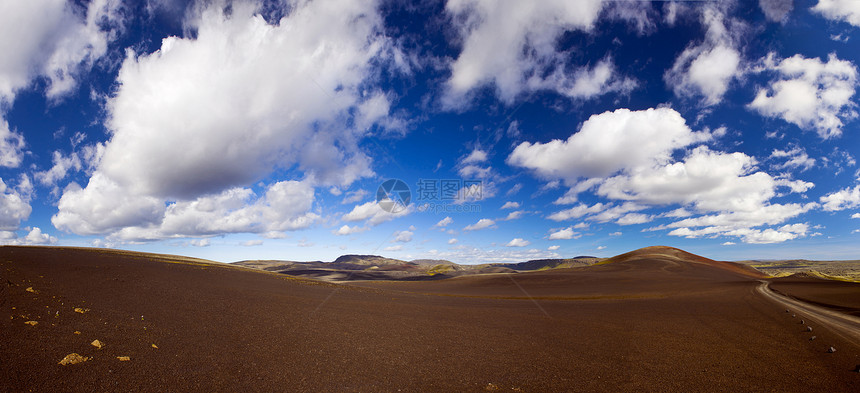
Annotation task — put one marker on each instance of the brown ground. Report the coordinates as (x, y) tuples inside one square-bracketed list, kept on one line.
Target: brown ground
[(839, 295), (649, 323)]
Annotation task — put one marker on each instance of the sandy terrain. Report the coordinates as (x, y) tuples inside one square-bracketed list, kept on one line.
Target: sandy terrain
[(659, 320)]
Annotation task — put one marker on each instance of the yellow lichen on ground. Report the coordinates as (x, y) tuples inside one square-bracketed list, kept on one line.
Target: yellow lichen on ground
[(98, 344), (73, 358), (30, 289), (81, 310), (31, 323), (123, 358)]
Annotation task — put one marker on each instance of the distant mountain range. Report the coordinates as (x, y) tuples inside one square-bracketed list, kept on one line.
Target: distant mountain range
[(374, 267)]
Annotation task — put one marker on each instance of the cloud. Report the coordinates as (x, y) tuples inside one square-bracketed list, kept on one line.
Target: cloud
[(511, 46), (728, 244), (403, 236), (706, 69), (393, 248), (576, 212), (511, 205), (481, 224), (373, 213), (33, 237), (472, 255), (251, 243), (808, 93), (14, 205), (750, 235), (707, 180), (564, 234), (514, 215), (104, 207), (244, 96), (452, 241), (607, 143), (855, 215), (839, 10), (553, 248), (517, 242), (197, 121), (62, 166), (200, 243), (846, 198), (776, 10), (354, 196), (348, 230), (633, 157), (54, 39), (444, 222), (11, 145), (797, 159), (476, 156)]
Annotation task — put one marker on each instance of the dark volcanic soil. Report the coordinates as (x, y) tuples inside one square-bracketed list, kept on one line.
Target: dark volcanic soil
[(642, 325), (838, 295)]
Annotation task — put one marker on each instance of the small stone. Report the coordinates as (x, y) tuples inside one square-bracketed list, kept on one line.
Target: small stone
[(793, 315), (812, 338), (98, 344), (31, 323), (155, 346), (30, 289), (77, 332), (809, 328), (123, 358), (786, 310), (81, 310), (802, 322), (831, 350), (72, 358)]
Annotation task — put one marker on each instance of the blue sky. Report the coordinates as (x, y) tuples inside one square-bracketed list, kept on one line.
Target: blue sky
[(263, 130)]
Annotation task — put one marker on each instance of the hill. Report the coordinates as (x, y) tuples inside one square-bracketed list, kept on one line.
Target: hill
[(664, 322)]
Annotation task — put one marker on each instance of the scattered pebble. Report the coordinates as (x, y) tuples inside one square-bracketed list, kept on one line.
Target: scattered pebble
[(81, 310), (30, 289), (77, 332), (31, 323), (786, 310), (831, 350), (73, 358), (809, 328), (155, 346), (802, 322), (123, 358), (812, 338), (98, 344)]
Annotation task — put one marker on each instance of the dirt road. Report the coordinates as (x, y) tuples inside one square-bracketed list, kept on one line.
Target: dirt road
[(847, 326)]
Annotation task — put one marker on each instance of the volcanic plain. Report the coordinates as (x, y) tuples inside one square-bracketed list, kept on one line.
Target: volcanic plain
[(655, 319)]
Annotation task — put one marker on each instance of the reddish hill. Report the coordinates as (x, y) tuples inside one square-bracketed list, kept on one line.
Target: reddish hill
[(672, 255), (173, 324)]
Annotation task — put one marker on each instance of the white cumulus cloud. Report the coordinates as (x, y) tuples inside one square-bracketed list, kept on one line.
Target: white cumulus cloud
[(511, 46), (839, 10), (196, 123), (518, 242), (481, 224), (809, 93), (707, 68), (563, 234)]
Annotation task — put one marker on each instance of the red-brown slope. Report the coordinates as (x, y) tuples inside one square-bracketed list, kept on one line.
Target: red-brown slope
[(648, 272), (229, 329)]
